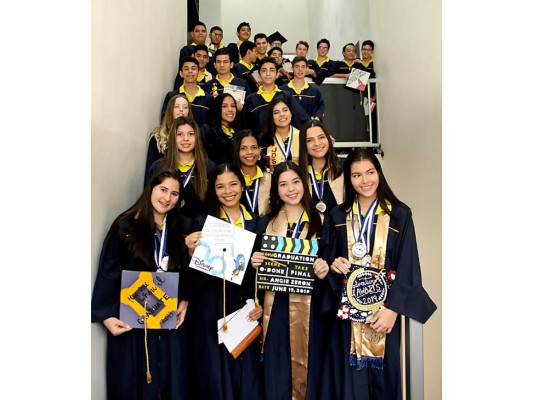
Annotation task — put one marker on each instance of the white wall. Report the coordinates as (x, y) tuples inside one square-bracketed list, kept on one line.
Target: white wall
[(296, 20), (407, 36), (340, 22), (134, 60), (290, 18)]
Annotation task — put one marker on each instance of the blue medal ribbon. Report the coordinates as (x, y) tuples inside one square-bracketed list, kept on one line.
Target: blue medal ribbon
[(365, 224), (297, 227), (253, 203), (160, 243), (319, 186), (188, 176), (231, 222), (285, 151)]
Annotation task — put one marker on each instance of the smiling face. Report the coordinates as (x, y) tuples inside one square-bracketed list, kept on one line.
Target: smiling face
[(202, 57), (189, 72), (367, 52), (181, 108), (249, 151), (365, 179), (185, 138), (229, 110), (290, 188), (276, 55), (164, 197), (244, 33), (282, 115), (316, 142), (322, 49), (349, 53), (262, 46), (228, 189)]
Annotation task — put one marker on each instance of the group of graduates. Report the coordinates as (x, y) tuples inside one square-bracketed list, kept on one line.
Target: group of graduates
[(206, 69), (279, 176)]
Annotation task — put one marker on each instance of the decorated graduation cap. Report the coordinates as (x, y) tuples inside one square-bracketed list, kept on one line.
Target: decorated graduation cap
[(276, 36)]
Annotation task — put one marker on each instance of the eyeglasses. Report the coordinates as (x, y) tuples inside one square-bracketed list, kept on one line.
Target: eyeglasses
[(217, 34), (323, 47), (366, 49)]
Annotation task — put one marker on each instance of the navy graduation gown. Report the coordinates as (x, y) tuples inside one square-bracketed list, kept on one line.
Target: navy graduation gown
[(310, 99), (407, 297), (277, 354), (217, 374), (126, 357)]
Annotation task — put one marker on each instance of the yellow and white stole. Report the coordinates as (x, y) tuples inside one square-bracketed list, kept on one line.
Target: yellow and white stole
[(279, 153), (299, 315), (367, 347)]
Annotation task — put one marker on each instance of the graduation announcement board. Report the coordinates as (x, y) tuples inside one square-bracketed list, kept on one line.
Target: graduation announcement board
[(288, 265)]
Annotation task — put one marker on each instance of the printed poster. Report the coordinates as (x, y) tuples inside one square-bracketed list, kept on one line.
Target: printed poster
[(288, 265), (224, 250)]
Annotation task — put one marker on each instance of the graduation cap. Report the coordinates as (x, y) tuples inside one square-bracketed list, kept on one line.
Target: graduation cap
[(276, 36)]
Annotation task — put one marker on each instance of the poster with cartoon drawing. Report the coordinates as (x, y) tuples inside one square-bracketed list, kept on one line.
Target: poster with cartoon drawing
[(224, 250)]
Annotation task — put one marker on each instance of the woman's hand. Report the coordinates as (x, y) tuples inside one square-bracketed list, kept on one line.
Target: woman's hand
[(321, 268), (116, 326), (340, 266), (383, 321), (255, 314), (182, 310), (257, 259), (192, 241)]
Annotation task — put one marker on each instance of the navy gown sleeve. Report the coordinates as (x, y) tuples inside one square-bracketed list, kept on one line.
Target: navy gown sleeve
[(407, 295), (152, 155), (106, 292)]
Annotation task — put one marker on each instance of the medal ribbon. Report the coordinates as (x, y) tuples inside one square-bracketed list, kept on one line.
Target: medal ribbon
[(188, 176), (253, 203), (286, 151), (319, 187), (367, 347), (297, 227), (160, 242), (365, 224), (231, 222)]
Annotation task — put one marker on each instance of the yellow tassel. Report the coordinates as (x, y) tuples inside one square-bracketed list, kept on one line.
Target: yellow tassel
[(148, 377)]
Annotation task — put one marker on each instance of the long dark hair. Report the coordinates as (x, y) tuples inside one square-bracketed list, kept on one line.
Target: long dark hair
[(213, 204), (384, 192), (332, 160), (315, 222), (215, 116), (140, 233), (269, 129)]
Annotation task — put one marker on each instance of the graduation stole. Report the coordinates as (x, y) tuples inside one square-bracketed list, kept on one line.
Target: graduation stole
[(279, 154), (367, 347), (299, 314)]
